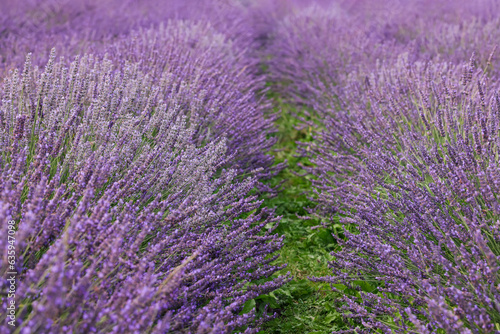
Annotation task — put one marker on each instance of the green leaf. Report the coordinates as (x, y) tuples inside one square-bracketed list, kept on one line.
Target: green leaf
[(269, 299), (248, 306), (331, 317)]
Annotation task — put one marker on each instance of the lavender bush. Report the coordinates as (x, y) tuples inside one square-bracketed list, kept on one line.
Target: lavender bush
[(126, 219), (412, 172), (405, 158)]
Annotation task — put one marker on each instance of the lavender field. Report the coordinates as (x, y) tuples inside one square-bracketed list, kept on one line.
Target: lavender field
[(249, 166)]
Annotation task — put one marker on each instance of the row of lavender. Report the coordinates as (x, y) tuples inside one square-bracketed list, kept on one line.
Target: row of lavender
[(131, 170), (406, 155)]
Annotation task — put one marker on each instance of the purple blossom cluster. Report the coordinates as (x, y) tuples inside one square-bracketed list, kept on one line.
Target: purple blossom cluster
[(131, 171), (405, 157)]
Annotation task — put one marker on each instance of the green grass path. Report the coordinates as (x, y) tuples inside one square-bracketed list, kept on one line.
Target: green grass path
[(302, 306)]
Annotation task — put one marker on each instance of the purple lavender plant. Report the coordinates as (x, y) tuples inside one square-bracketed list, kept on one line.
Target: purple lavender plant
[(128, 220), (412, 172)]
